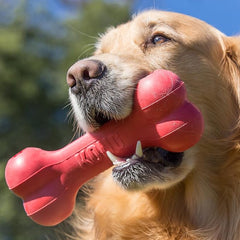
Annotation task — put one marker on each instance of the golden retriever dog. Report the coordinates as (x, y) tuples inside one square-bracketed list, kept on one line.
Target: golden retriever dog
[(163, 195)]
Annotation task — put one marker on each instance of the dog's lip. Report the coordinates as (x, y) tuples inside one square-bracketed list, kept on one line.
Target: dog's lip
[(122, 163), (125, 164)]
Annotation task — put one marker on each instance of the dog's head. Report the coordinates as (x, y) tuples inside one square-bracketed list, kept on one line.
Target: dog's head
[(102, 88)]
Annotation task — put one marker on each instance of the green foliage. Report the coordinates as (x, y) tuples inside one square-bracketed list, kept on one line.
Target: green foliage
[(33, 93)]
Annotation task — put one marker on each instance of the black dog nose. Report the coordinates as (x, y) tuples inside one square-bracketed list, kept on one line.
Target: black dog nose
[(83, 73)]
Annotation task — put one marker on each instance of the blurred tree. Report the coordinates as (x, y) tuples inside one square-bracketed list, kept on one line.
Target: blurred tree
[(95, 17), (34, 59)]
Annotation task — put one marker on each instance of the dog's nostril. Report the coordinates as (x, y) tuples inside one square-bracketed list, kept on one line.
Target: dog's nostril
[(71, 81), (83, 73), (86, 75)]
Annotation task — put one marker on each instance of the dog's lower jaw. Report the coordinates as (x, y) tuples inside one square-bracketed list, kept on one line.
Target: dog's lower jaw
[(155, 168)]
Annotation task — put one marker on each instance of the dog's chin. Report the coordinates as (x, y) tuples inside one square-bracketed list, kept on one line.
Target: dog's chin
[(157, 168)]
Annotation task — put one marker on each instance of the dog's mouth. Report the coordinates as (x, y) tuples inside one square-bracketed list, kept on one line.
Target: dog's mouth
[(152, 166), (146, 167), (154, 157)]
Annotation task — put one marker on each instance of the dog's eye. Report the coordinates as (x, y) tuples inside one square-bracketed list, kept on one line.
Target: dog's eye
[(159, 39)]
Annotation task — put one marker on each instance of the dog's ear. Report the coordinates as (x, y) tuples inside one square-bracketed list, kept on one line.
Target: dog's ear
[(233, 50)]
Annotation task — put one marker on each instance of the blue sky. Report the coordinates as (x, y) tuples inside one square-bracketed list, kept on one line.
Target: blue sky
[(222, 14)]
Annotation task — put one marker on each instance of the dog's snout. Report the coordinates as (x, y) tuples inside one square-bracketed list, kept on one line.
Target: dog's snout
[(83, 73)]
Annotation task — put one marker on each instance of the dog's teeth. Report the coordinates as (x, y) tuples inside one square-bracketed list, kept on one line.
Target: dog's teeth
[(114, 159), (139, 151)]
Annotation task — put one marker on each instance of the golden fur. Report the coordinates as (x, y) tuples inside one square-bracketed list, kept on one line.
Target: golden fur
[(204, 201)]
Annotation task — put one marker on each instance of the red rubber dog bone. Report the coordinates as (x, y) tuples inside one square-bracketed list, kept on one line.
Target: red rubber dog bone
[(48, 181)]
